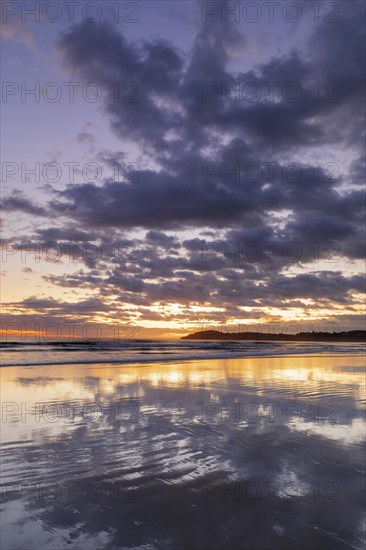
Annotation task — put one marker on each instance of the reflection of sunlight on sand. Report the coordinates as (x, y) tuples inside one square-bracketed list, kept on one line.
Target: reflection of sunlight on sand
[(84, 382), (292, 377), (63, 381)]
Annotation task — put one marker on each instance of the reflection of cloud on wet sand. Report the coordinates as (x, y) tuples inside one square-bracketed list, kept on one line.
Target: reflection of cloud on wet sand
[(142, 429), (347, 434)]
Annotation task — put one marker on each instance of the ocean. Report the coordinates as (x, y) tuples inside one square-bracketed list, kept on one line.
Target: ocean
[(147, 351)]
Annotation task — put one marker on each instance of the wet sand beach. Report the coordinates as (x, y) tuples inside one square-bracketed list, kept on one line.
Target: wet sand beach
[(254, 452)]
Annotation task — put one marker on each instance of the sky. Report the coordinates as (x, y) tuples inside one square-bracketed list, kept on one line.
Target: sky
[(169, 167)]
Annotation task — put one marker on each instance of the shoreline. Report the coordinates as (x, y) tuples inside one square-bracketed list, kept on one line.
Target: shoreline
[(173, 360)]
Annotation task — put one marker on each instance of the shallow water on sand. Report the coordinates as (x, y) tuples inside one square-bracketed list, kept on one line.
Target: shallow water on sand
[(257, 453)]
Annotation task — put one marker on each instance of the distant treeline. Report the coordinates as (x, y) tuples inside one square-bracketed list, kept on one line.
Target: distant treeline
[(350, 336)]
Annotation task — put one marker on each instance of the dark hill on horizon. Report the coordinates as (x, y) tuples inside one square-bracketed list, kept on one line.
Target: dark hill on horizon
[(350, 336)]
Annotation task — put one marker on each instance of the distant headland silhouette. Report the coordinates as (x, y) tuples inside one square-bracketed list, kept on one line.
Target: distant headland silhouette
[(350, 336)]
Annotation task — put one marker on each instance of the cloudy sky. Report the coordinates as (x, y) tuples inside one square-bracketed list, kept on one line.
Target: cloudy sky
[(173, 165)]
